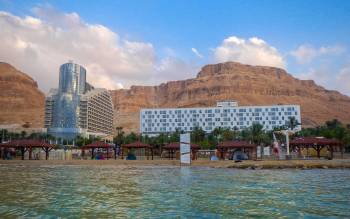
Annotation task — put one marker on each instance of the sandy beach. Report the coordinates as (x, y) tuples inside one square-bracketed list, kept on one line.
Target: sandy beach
[(249, 164)]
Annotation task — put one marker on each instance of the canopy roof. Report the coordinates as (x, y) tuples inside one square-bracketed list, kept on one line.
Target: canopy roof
[(136, 144), (27, 143), (97, 144), (314, 141), (235, 144), (176, 146)]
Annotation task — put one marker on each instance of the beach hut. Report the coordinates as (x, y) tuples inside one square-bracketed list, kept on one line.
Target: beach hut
[(175, 146), (99, 145), (316, 143), (137, 145), (240, 147), (25, 145)]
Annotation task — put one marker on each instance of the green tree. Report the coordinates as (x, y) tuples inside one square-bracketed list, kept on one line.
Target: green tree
[(120, 138), (292, 123), (23, 134), (197, 134)]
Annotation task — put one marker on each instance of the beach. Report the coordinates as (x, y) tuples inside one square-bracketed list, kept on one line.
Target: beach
[(247, 164)]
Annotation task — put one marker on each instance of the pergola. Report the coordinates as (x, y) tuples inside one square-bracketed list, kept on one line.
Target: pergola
[(138, 145), (98, 145), (245, 146), (175, 146), (317, 143), (28, 145)]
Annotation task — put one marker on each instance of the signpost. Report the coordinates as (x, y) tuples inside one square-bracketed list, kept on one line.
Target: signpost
[(185, 148)]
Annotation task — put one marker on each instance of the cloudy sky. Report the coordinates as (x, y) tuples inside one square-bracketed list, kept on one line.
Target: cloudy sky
[(124, 43)]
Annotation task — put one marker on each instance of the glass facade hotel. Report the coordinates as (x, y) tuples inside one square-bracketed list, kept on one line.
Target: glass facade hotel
[(71, 109)]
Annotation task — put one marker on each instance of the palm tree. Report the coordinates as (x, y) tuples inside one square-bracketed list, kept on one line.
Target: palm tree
[(23, 134), (197, 134), (256, 132), (120, 136), (293, 122), (257, 135)]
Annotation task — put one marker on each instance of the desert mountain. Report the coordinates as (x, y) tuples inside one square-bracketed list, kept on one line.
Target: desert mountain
[(249, 85), (21, 102)]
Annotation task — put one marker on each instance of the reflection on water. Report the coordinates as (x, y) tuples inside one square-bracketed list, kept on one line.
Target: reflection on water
[(163, 192)]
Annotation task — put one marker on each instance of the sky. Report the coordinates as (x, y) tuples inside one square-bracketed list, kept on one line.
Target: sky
[(124, 43)]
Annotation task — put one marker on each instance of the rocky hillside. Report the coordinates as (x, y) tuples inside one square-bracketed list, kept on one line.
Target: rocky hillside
[(250, 85), (21, 102)]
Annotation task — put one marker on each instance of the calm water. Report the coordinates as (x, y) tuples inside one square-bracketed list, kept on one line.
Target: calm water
[(172, 192)]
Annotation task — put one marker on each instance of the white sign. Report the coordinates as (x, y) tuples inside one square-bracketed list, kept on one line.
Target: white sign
[(185, 148)]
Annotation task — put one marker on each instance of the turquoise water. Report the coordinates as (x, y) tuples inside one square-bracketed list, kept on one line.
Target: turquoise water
[(171, 192)]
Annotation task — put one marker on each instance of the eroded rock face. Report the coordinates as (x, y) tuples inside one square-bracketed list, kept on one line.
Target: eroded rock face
[(249, 85), (21, 101)]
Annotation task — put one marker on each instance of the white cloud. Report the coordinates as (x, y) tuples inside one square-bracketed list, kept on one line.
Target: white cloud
[(39, 44), (343, 80), (174, 68), (330, 79), (195, 51), (253, 51), (306, 53)]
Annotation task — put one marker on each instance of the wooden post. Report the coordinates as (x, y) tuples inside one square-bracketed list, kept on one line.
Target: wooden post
[(152, 152), (46, 153), (107, 152), (318, 151), (92, 153), (115, 153), (22, 152), (30, 153), (122, 153)]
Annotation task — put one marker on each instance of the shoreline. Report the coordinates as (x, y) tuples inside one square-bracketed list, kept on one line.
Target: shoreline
[(247, 164)]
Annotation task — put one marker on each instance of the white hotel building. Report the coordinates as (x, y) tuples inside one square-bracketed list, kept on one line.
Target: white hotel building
[(226, 114)]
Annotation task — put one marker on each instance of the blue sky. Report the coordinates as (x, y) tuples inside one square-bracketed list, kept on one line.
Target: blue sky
[(311, 37)]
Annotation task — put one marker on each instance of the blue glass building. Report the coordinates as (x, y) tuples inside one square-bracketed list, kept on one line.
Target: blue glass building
[(70, 109)]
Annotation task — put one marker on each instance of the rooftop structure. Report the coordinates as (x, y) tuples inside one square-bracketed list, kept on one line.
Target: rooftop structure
[(226, 114)]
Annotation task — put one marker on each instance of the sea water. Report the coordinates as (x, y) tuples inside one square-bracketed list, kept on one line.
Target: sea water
[(171, 192)]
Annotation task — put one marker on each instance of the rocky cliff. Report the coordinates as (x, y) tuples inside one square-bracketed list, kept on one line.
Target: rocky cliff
[(250, 85), (21, 102)]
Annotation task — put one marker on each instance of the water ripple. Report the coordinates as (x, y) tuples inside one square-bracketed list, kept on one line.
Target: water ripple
[(168, 192)]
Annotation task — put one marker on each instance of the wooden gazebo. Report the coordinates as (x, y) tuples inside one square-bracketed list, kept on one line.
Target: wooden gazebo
[(28, 145), (317, 143), (138, 145), (175, 146), (99, 145), (244, 146)]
